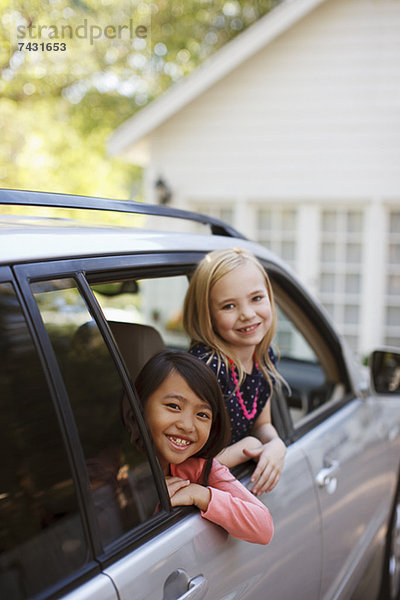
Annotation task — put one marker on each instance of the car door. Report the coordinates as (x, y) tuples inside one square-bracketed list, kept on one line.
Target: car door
[(343, 440), (196, 559), (149, 553)]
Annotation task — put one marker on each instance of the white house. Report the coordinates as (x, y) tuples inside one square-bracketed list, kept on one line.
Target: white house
[(291, 132)]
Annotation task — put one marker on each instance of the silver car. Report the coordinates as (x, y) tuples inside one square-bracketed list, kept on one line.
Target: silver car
[(82, 307)]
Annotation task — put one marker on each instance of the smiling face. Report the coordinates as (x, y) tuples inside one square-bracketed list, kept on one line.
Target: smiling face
[(179, 421), (240, 309)]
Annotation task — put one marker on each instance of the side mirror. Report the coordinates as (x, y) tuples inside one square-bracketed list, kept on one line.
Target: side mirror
[(385, 371)]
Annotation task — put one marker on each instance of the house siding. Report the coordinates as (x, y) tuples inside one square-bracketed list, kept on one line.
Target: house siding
[(316, 114)]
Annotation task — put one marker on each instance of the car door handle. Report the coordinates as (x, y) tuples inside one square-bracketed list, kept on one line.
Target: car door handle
[(198, 587), (179, 586), (326, 477)]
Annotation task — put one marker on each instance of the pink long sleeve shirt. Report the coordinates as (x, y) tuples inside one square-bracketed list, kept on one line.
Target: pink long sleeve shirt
[(232, 506)]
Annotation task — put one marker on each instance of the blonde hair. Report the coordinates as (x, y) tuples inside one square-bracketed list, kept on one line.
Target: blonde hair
[(197, 314)]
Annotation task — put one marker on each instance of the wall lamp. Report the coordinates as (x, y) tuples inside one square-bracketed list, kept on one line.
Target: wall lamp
[(163, 192)]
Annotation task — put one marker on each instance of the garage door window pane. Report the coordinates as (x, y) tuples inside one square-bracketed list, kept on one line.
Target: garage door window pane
[(353, 253), (394, 222), (328, 252), (289, 220), (329, 221), (41, 535), (288, 251), (394, 285), (328, 282), (265, 219), (394, 254), (393, 316), (354, 222), (352, 284), (351, 314)]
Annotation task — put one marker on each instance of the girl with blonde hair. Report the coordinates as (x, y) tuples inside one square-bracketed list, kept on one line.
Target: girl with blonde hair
[(229, 314)]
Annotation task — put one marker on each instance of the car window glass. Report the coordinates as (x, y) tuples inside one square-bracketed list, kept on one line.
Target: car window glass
[(41, 535), (121, 480), (291, 342), (310, 386), (156, 302)]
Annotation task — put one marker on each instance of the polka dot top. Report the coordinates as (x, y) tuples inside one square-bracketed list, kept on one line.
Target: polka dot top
[(240, 426)]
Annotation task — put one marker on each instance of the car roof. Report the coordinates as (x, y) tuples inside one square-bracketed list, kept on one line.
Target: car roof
[(26, 245), (29, 238)]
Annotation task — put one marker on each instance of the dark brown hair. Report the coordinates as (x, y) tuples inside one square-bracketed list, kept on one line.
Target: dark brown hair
[(202, 381)]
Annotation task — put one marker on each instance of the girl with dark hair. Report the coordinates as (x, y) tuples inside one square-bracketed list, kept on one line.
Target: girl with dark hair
[(185, 412)]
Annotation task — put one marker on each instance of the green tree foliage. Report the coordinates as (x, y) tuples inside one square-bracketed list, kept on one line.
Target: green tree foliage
[(58, 107)]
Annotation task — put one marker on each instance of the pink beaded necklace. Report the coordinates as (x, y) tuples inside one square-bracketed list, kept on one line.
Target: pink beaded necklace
[(247, 414)]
